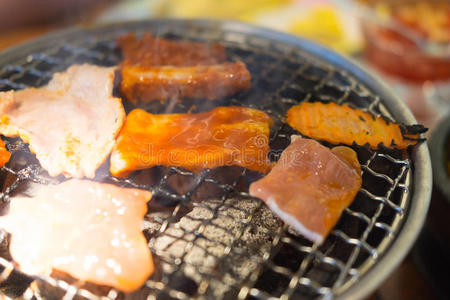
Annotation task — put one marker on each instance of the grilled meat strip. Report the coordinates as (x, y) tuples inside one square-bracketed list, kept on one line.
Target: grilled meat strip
[(221, 137), (310, 186), (157, 69), (341, 124), (158, 83), (152, 51)]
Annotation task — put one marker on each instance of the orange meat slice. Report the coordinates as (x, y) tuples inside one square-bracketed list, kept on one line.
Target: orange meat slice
[(310, 186), (341, 124), (223, 136), (5, 155), (150, 51)]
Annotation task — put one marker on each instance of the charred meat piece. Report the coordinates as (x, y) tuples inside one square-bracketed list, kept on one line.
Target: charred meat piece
[(71, 124), (210, 82), (310, 186), (4, 154), (87, 229), (223, 136), (151, 51), (157, 69), (341, 124)]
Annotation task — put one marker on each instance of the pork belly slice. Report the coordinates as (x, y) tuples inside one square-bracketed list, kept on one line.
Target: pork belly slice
[(223, 136), (310, 186), (158, 69), (141, 84), (87, 229), (5, 155), (154, 51), (70, 124)]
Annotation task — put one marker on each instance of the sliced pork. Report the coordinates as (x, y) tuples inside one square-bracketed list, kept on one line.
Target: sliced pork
[(159, 83), (310, 186), (150, 51), (156, 69), (70, 124), (224, 136), (89, 230)]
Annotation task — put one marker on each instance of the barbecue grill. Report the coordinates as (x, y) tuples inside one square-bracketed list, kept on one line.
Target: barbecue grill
[(208, 236)]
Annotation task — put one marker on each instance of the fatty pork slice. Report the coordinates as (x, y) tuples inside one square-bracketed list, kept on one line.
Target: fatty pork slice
[(70, 124), (141, 84), (150, 51), (310, 186), (154, 68), (87, 229)]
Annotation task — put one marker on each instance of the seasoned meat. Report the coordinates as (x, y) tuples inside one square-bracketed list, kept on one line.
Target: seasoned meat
[(158, 83), (152, 51), (4, 154), (157, 69), (310, 186), (70, 124), (341, 124), (87, 229), (221, 137)]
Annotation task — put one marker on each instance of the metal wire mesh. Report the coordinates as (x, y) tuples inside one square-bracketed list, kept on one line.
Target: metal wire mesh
[(209, 238)]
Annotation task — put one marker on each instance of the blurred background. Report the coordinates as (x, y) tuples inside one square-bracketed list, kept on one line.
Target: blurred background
[(405, 42)]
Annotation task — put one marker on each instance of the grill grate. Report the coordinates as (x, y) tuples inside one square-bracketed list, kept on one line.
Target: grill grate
[(209, 238)]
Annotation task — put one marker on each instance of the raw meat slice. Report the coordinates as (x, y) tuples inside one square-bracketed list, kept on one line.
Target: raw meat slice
[(310, 186), (87, 229), (71, 124)]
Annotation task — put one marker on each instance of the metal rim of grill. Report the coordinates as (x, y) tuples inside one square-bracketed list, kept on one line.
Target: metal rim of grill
[(286, 70)]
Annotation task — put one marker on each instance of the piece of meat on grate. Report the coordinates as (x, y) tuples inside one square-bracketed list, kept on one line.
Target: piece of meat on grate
[(341, 124), (71, 124), (224, 136), (163, 82), (87, 229), (158, 69), (154, 51), (310, 186), (5, 155)]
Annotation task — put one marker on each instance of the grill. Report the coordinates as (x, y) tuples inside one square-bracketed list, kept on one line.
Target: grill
[(208, 237)]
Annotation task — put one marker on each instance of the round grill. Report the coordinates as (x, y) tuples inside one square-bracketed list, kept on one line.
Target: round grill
[(209, 238)]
